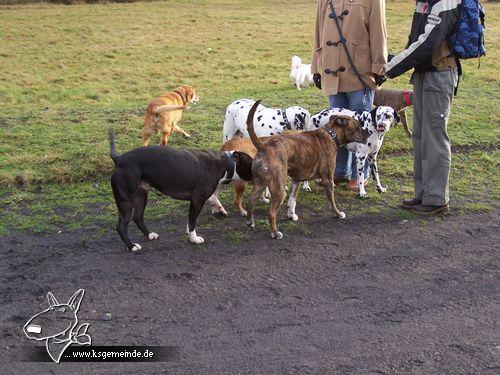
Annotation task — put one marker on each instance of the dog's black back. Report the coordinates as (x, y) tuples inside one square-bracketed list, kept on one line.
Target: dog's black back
[(175, 172)]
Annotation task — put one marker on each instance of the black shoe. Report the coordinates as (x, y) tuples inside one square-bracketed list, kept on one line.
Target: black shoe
[(423, 209), (409, 204)]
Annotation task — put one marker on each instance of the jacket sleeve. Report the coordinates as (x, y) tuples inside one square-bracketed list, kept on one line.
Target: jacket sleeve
[(440, 22), (378, 37), (318, 27)]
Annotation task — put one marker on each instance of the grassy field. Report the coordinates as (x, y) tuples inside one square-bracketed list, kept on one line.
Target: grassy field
[(71, 72)]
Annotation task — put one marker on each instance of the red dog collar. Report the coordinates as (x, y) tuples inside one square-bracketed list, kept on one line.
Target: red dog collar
[(407, 98)]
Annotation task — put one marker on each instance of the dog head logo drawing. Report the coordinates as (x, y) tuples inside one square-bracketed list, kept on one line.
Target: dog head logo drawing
[(58, 326)]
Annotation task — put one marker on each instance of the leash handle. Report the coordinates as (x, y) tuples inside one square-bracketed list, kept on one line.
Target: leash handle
[(343, 41)]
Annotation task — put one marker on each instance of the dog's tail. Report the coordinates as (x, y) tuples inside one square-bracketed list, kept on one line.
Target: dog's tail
[(255, 140), (112, 147), (168, 108)]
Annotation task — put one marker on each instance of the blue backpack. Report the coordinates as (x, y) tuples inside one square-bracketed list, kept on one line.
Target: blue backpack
[(467, 39)]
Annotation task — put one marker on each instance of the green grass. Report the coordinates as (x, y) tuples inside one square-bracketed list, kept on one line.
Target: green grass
[(71, 72)]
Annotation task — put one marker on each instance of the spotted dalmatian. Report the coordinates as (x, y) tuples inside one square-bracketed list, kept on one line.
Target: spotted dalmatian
[(375, 123), (267, 121)]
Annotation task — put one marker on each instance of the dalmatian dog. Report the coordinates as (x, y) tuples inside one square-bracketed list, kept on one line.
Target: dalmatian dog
[(267, 121), (375, 123)]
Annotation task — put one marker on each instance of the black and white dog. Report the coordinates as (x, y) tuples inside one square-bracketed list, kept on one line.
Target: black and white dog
[(267, 121), (376, 123), (191, 175)]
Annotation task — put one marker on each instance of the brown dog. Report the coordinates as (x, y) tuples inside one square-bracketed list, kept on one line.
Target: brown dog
[(303, 156), (164, 113), (397, 100)]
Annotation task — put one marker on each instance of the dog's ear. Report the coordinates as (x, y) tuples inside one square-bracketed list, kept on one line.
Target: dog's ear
[(373, 112), (299, 121), (339, 120), (52, 300), (76, 299)]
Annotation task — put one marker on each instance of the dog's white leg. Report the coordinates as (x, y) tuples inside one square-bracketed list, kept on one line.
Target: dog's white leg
[(215, 204), (360, 165), (136, 247), (292, 201), (372, 160), (194, 238), (306, 186), (153, 236)]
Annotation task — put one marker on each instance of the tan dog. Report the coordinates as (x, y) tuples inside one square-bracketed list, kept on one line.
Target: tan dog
[(164, 113), (303, 156)]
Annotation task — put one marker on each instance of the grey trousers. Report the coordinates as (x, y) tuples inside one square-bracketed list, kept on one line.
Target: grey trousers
[(432, 99)]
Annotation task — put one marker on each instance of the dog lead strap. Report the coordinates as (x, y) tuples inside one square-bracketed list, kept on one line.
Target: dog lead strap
[(343, 41)]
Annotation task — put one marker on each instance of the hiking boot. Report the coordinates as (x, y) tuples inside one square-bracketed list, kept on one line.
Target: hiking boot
[(409, 204), (423, 209)]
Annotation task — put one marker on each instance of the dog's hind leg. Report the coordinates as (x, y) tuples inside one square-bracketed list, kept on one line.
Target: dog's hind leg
[(292, 201), (178, 129), (239, 190), (124, 203), (258, 187), (329, 190), (277, 197), (140, 202), (147, 129), (194, 210)]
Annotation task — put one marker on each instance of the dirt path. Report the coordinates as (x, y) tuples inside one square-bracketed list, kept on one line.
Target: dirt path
[(362, 297)]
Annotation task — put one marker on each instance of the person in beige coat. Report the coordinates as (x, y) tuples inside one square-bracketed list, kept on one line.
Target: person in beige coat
[(363, 27)]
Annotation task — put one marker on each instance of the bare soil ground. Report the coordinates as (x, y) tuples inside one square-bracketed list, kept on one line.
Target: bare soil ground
[(361, 296)]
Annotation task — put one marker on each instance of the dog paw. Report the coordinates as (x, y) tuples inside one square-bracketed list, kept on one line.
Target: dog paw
[(136, 247), (219, 214), (277, 236), (188, 135), (363, 194), (381, 189), (194, 238), (264, 200), (153, 236), (251, 224), (243, 213), (306, 187), (341, 215), (293, 217)]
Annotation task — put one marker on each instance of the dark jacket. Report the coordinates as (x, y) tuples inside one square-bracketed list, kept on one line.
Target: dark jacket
[(427, 49)]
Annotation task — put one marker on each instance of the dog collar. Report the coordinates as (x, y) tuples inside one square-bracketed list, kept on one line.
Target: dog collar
[(229, 167), (332, 134), (285, 119), (407, 98)]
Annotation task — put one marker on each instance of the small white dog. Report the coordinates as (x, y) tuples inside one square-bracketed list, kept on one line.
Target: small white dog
[(267, 121), (301, 73)]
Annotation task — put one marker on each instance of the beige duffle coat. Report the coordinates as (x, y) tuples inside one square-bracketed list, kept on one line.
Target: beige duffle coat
[(363, 26)]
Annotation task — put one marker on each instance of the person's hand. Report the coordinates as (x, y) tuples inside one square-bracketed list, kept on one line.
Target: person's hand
[(317, 80), (379, 79)]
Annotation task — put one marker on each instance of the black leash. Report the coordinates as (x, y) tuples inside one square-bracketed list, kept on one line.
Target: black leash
[(343, 41)]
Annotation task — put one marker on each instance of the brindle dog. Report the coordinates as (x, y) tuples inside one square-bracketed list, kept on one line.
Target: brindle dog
[(302, 156)]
